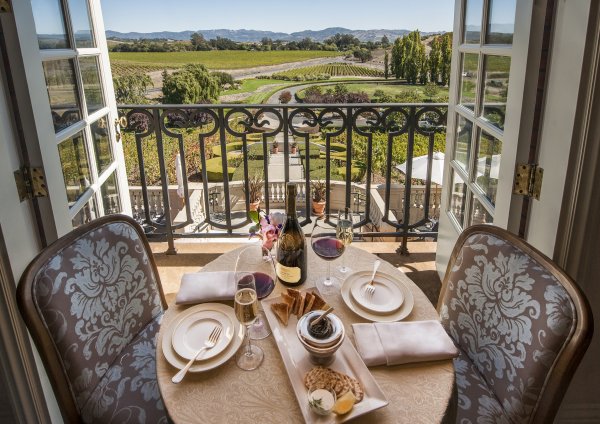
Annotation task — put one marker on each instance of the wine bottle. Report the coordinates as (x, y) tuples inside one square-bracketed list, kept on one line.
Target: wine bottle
[(291, 249)]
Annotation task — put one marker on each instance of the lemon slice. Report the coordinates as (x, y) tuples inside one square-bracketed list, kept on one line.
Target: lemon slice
[(345, 403)]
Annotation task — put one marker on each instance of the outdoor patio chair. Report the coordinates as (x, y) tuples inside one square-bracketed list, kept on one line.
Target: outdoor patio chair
[(520, 323), (93, 304)]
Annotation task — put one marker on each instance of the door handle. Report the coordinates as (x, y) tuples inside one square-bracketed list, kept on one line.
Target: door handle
[(120, 123)]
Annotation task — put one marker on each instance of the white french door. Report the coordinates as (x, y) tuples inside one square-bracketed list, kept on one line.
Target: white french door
[(70, 85), (486, 107)]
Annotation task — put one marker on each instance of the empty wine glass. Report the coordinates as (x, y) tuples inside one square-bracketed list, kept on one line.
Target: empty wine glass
[(245, 305), (258, 261), (327, 246), (344, 233)]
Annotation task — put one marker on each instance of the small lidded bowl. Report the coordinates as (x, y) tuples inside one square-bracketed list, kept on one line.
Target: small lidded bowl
[(324, 339)]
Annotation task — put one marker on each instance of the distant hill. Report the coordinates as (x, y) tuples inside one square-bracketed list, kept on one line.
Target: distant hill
[(250, 35)]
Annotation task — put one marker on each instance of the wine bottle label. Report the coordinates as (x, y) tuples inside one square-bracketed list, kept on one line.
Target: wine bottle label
[(287, 273)]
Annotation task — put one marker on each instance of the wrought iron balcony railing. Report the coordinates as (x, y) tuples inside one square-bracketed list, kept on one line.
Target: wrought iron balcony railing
[(190, 167)]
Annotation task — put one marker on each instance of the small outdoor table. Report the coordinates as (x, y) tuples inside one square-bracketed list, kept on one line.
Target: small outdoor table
[(417, 393)]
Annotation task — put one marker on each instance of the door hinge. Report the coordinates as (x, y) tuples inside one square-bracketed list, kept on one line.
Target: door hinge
[(528, 180), (31, 183), (5, 6)]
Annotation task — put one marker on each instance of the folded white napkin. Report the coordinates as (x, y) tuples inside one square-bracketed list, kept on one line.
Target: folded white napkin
[(395, 343), (206, 287)]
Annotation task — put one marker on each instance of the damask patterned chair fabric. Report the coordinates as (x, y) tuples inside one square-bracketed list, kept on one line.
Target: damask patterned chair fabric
[(100, 299), (511, 318)]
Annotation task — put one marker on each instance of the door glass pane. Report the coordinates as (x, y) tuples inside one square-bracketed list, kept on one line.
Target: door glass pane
[(75, 166), (110, 195), (90, 74), (458, 198), (501, 18), (488, 165), (462, 152), (468, 86), (80, 20), (50, 24), (479, 215), (474, 10), (86, 214), (62, 92), (100, 136), (496, 71)]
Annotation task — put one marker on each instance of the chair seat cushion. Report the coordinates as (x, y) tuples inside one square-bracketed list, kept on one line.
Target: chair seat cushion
[(128, 391), (477, 404)]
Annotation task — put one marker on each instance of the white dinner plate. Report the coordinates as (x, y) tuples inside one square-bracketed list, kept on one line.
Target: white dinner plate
[(237, 333), (193, 330), (386, 298), (399, 314)]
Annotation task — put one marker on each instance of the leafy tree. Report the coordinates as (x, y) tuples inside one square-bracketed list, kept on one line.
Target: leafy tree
[(363, 55), (223, 78), (446, 58), (386, 64), (198, 42), (267, 43), (410, 61), (131, 89), (431, 90), (435, 60), (222, 43), (191, 85), (343, 41), (385, 42), (285, 97)]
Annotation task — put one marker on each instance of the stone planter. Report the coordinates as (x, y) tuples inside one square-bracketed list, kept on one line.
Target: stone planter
[(318, 207)]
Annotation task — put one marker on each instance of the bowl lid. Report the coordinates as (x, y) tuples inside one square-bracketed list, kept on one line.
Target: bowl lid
[(305, 320)]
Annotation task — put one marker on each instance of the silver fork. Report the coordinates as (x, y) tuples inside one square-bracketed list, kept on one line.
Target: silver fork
[(212, 340), (369, 288)]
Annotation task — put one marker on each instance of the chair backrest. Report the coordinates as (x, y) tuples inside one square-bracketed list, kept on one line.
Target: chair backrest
[(84, 299), (520, 319)]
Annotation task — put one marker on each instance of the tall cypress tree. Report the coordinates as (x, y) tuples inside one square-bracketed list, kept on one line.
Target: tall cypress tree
[(386, 60), (446, 58)]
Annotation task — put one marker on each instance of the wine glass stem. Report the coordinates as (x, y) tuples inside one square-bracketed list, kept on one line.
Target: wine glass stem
[(328, 272), (249, 345)]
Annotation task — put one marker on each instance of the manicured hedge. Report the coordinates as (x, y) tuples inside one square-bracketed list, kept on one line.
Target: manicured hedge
[(214, 170), (314, 151)]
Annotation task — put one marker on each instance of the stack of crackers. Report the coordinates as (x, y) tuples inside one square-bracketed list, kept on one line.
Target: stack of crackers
[(340, 383), (297, 303)]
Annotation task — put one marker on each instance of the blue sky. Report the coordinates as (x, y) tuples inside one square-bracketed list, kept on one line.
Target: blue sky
[(276, 15)]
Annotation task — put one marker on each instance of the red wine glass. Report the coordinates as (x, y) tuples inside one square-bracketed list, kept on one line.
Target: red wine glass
[(328, 247)]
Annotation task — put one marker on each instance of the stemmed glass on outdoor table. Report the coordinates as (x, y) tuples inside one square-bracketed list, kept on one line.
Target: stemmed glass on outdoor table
[(258, 261), (327, 246), (245, 305), (345, 234)]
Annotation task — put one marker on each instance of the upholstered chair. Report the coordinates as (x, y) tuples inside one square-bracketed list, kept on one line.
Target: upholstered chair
[(521, 325), (93, 304)]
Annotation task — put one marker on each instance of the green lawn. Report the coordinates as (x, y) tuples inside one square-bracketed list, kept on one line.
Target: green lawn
[(217, 59)]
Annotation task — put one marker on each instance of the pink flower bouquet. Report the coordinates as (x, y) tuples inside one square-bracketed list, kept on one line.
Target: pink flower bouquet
[(267, 227)]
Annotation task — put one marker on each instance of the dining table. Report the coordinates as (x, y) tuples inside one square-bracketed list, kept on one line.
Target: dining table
[(422, 392)]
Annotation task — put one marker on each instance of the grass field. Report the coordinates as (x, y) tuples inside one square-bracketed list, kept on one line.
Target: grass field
[(216, 59), (332, 69)]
